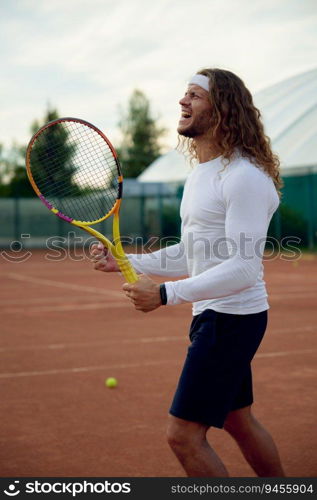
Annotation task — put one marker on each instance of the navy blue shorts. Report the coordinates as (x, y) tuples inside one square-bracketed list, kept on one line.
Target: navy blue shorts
[(216, 376)]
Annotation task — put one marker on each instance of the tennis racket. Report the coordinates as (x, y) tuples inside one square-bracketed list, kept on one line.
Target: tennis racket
[(75, 172)]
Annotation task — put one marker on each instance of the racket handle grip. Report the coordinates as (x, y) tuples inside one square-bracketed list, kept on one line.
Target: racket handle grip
[(127, 270)]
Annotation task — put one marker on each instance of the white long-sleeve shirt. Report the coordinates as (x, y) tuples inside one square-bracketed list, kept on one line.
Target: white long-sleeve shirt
[(225, 212)]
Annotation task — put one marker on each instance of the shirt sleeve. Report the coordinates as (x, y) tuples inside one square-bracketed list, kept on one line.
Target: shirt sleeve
[(247, 198), (170, 261)]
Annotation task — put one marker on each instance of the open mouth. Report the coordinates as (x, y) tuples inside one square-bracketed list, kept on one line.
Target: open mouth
[(185, 114)]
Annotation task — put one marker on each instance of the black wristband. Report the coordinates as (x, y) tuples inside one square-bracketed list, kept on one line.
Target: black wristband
[(163, 294)]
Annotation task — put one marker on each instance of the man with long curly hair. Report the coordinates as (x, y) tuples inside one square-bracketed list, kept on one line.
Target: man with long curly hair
[(228, 202)]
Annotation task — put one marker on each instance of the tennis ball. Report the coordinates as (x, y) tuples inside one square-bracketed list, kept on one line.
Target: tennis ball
[(111, 382), (295, 263)]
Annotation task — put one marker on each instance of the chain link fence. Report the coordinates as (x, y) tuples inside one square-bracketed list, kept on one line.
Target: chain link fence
[(144, 217)]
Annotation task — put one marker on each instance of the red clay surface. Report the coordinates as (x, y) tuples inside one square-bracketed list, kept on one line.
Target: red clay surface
[(65, 328)]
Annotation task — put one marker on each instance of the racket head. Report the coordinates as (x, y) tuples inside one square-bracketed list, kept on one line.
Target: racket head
[(74, 169)]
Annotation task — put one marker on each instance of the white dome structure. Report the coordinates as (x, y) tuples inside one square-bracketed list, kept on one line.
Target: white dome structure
[(171, 167), (289, 112)]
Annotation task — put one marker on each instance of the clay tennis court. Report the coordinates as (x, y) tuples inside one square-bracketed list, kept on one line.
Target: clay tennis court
[(65, 328)]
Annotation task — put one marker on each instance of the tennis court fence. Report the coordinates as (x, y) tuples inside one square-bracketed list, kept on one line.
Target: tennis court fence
[(155, 216)]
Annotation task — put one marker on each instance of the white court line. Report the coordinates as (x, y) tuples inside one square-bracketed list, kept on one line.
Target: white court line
[(66, 307), (134, 365), (47, 299), (306, 328), (86, 369), (283, 353), (62, 284), (144, 340), (82, 306)]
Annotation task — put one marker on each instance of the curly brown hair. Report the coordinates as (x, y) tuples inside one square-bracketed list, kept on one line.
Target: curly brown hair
[(236, 124)]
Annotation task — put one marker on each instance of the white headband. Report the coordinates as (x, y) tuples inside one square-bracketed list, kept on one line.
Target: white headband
[(200, 80)]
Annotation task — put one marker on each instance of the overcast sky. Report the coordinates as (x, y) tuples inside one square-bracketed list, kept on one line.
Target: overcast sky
[(85, 57)]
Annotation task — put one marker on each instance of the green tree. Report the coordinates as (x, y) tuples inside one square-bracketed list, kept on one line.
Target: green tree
[(48, 170), (13, 178), (3, 172), (140, 145)]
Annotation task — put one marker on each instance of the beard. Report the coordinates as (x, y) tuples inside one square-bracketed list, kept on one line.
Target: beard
[(198, 127)]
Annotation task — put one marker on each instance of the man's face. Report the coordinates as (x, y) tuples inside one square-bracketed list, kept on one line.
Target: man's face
[(196, 111)]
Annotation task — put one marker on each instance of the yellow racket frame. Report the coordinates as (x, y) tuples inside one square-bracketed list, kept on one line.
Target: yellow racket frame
[(115, 248)]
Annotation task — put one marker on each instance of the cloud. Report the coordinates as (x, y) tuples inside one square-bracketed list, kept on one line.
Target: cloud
[(86, 56)]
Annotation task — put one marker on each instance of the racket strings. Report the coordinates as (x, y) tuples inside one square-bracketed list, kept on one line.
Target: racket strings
[(75, 170), (86, 162)]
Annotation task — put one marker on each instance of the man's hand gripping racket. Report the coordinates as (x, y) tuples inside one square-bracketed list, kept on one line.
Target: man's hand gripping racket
[(75, 171), (103, 259)]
